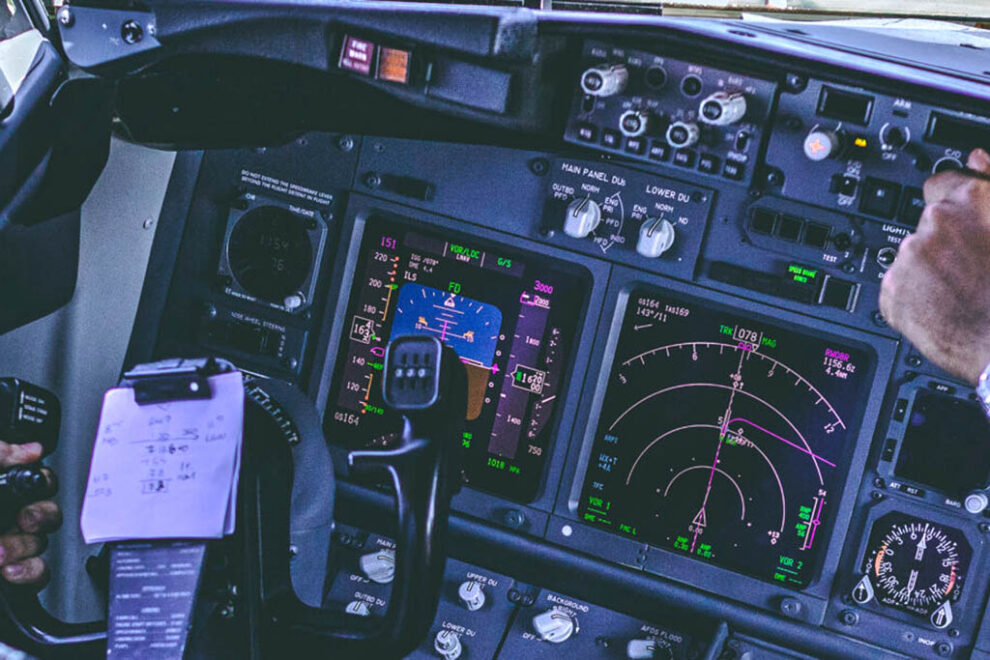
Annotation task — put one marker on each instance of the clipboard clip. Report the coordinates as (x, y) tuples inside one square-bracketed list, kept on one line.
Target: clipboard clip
[(177, 379)]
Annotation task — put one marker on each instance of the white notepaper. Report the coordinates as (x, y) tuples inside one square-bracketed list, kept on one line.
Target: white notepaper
[(166, 470)]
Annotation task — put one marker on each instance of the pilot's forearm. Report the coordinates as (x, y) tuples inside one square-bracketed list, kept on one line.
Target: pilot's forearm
[(937, 291)]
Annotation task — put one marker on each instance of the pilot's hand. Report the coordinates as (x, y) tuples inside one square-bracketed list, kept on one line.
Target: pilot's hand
[(937, 293), (21, 545)]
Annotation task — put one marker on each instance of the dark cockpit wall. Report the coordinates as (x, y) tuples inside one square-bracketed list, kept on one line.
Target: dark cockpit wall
[(78, 351), (564, 175)]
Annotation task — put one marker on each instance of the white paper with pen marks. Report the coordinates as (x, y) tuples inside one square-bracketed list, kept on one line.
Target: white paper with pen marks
[(167, 470)]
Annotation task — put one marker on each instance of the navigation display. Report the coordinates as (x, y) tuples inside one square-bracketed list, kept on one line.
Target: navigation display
[(724, 438), (510, 317)]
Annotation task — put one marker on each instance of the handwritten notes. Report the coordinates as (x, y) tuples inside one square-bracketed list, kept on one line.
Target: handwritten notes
[(166, 470)]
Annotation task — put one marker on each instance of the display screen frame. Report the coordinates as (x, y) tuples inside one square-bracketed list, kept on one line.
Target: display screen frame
[(967, 611), (590, 278), (905, 466), (567, 527)]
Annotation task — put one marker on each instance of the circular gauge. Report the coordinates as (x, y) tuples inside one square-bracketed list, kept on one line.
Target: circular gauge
[(916, 566), (270, 253)]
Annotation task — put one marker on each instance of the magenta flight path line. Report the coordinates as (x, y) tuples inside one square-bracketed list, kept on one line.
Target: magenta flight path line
[(708, 490), (784, 440)]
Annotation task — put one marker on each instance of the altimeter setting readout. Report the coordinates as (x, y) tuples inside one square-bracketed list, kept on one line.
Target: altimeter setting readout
[(725, 438), (511, 320)]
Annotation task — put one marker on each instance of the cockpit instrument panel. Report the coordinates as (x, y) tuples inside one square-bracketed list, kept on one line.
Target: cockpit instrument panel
[(725, 438), (511, 318)]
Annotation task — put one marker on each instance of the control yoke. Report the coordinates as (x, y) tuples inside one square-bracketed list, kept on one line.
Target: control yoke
[(426, 382)]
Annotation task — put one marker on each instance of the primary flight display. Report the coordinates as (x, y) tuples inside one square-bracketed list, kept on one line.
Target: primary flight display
[(511, 319)]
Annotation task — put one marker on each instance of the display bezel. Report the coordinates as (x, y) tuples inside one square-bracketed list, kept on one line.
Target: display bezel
[(473, 497), (569, 529), (967, 610), (896, 430)]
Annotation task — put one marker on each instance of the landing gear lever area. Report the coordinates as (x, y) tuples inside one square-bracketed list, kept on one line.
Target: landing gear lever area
[(285, 520)]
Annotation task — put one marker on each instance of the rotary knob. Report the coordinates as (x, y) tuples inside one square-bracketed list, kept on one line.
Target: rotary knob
[(378, 566), (976, 502), (554, 626), (294, 301), (605, 80), (683, 134), (447, 644), (893, 137), (633, 123), (656, 236), (822, 144), (471, 595), (723, 108), (582, 218)]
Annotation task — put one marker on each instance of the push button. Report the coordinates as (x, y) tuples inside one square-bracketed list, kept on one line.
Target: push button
[(880, 198), (912, 206), (816, 235), (763, 221), (685, 158), (659, 151), (840, 294), (900, 409), (587, 132), (733, 171), (611, 139), (708, 163), (789, 228), (635, 145)]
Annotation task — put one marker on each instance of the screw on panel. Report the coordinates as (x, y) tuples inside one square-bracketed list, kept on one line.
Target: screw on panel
[(984, 527), (514, 518), (943, 649), (790, 607), (345, 143), (908, 636), (131, 31), (775, 178), (514, 596), (878, 319), (876, 495), (849, 268), (848, 617), (372, 180), (879, 482), (539, 166), (954, 632), (913, 361), (795, 83), (65, 17), (148, 223)]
